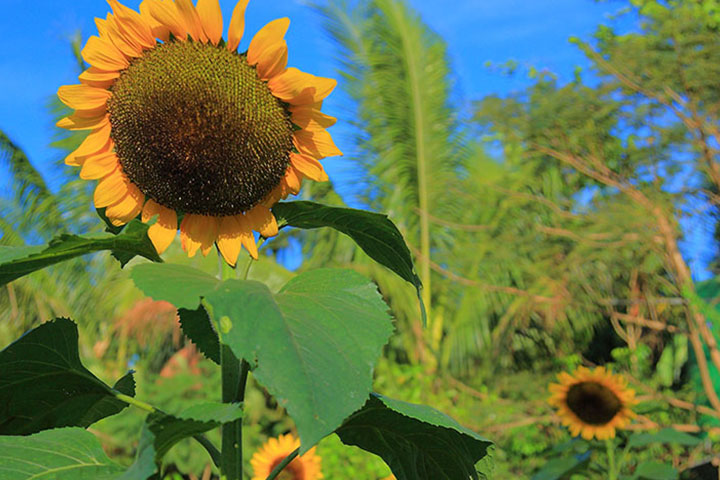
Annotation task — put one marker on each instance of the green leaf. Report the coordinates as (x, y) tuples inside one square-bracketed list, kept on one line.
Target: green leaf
[(167, 430), (313, 345), (417, 442), (666, 435), (197, 327), (44, 385), (16, 262), (561, 467), (180, 285), (373, 232), (61, 454), (656, 471)]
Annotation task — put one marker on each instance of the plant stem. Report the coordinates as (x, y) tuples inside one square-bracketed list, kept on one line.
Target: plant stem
[(280, 466), (234, 378), (135, 402), (610, 447)]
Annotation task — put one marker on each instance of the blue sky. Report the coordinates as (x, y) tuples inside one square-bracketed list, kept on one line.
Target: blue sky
[(36, 56)]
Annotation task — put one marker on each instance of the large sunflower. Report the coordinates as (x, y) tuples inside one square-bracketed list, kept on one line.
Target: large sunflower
[(592, 403), (183, 127), (306, 467)]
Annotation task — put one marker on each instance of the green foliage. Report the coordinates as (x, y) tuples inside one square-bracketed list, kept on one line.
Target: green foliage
[(44, 385), (60, 454), (416, 441)]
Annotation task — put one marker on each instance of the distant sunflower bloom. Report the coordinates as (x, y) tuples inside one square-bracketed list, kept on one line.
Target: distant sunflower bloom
[(182, 126), (306, 467), (592, 403)]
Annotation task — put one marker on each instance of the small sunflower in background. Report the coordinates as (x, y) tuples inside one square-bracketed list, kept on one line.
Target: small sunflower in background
[(592, 403), (306, 467), (185, 129)]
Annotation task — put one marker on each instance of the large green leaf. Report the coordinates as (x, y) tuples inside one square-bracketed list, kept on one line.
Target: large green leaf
[(313, 345), (44, 385), (197, 327), (178, 284), (61, 454), (561, 467), (417, 442), (655, 471), (373, 232), (665, 435), (16, 262)]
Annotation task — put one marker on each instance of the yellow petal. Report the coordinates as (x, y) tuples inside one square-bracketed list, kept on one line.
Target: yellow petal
[(83, 97), (317, 143), (271, 34), (300, 88), (158, 29), (93, 143), (114, 33), (292, 181), (263, 221), (97, 78), (309, 167), (273, 62), (198, 232), (166, 14), (136, 31), (111, 189), (210, 15), (99, 166), (305, 116), (237, 25), (78, 122), (235, 232), (192, 21), (104, 55), (163, 231), (127, 208)]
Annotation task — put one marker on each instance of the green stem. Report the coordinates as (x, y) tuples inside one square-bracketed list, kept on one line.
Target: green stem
[(201, 439), (612, 469), (280, 466), (234, 378)]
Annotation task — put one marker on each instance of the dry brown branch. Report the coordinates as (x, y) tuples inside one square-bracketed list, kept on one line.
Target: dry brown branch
[(644, 322)]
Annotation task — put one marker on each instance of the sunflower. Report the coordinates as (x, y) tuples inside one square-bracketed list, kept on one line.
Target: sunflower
[(592, 403), (185, 130), (306, 467)]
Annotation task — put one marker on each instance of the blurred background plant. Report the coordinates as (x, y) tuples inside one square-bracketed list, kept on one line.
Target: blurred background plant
[(548, 228)]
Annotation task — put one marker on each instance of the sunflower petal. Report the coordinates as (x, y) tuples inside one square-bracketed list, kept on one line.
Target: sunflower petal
[(198, 232), (99, 166), (317, 143), (262, 220), (273, 62), (187, 12), (79, 122), (300, 88), (309, 167), (237, 25), (163, 231), (111, 189), (210, 15), (268, 36), (166, 14), (93, 143), (305, 116), (235, 232), (126, 209), (158, 29), (104, 55), (97, 78), (83, 97), (114, 33), (135, 28)]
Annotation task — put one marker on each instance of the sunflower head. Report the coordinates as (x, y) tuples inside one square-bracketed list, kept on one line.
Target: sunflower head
[(592, 403), (306, 467), (182, 126)]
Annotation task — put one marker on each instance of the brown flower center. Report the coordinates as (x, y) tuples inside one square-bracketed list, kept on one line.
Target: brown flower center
[(197, 131), (593, 403)]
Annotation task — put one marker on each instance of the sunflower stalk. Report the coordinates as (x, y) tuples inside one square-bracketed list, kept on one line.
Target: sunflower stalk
[(234, 378), (612, 468)]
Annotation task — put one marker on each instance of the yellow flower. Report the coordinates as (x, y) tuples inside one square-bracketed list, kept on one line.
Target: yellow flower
[(592, 403), (183, 126), (306, 467)]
